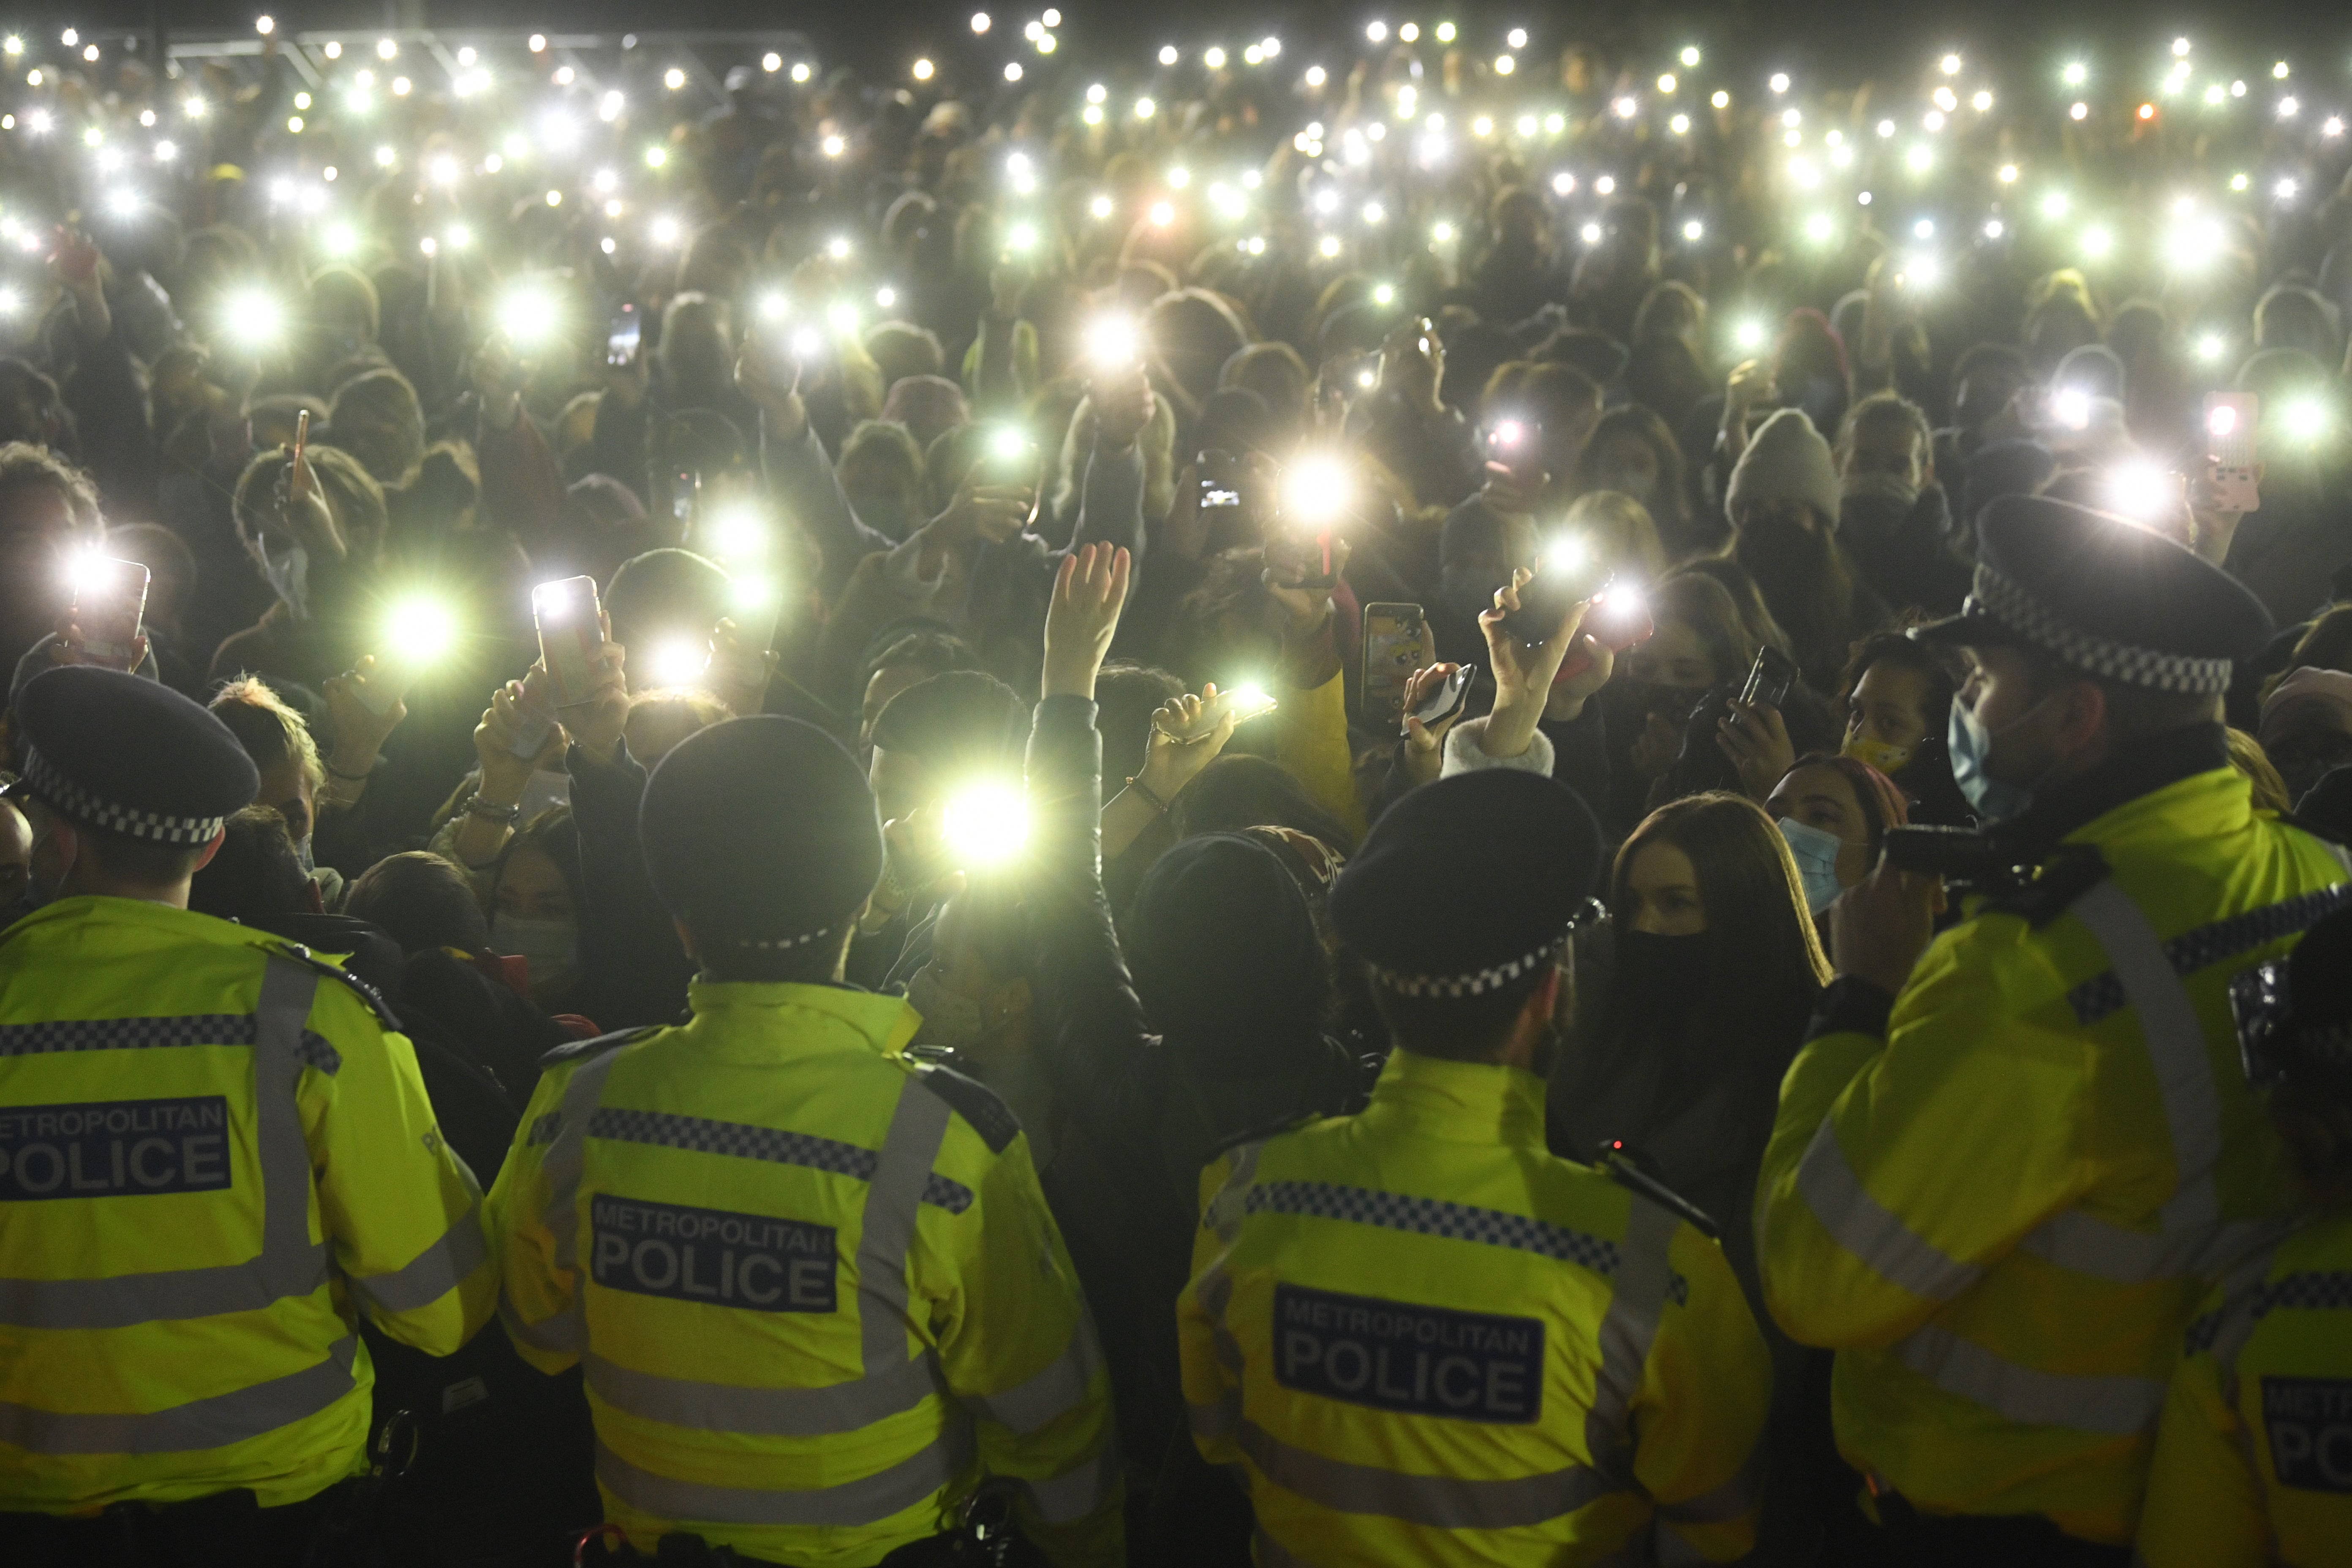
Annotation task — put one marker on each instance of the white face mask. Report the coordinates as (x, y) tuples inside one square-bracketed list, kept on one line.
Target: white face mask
[(548, 948), (1816, 851), (288, 572)]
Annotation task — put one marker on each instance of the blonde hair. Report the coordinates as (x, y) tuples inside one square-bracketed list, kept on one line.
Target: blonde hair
[(269, 729)]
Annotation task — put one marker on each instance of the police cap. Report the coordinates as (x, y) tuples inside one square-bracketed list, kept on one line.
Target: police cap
[(2105, 596), (760, 832), (109, 750), (1467, 884)]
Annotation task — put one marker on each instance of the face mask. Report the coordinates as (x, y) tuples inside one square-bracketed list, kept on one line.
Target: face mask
[(303, 853), (1883, 492), (1815, 850), (1659, 978), (1969, 742), (288, 572), (951, 1020), (1821, 397), (892, 516), (1885, 755), (549, 947)]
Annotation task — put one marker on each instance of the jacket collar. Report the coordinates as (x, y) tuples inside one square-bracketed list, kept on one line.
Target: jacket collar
[(2134, 771), (782, 1012), (1459, 1102)]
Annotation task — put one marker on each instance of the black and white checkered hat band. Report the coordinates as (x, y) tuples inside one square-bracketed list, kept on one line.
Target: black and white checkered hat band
[(69, 798), (1458, 986), (1997, 597), (785, 943)]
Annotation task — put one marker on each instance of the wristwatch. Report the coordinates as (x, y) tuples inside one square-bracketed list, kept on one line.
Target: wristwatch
[(477, 807)]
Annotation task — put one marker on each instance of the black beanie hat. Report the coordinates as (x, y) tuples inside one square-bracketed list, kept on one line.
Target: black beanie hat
[(760, 832)]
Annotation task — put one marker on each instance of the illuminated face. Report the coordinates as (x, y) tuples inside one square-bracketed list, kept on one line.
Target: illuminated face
[(1882, 447), (1823, 797), (1675, 656), (1662, 892), (1889, 704), (902, 784)]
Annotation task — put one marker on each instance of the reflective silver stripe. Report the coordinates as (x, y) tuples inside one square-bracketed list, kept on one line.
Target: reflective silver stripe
[(567, 1331), (434, 1272), (1225, 1212), (1627, 1330), (290, 1263), (868, 1500), (763, 1412), (1215, 1293), (213, 1423), (1061, 1387), (1442, 1502), (1873, 1234), (1215, 1422), (2191, 1238), (918, 1126), (1074, 1493), (2119, 1407)]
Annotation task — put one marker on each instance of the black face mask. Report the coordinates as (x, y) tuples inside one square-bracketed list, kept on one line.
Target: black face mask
[(1658, 980)]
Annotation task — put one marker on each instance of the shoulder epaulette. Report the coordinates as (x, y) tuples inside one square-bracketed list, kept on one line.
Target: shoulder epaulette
[(1264, 1130), (1619, 1162), (975, 1102), (281, 948), (574, 1050), (2071, 870)]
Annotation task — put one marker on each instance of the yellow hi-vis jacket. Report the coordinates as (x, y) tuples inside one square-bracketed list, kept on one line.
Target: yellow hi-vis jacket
[(2253, 1456), (814, 1286), (2003, 1203), (1427, 1341), (214, 1156)]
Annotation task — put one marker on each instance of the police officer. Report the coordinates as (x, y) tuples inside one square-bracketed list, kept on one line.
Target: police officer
[(2008, 1165), (2253, 1455), (215, 1158), (1425, 1339), (814, 1286)]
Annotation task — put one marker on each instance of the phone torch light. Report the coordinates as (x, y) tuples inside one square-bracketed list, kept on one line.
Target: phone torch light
[(1384, 294), (1007, 444), (2306, 419), (737, 533), (808, 342), (1021, 239), (1748, 336), (1565, 555), (774, 307), (2070, 406), (1316, 489), (254, 318), (1111, 341), (745, 595), (678, 661), (419, 630), (2223, 422), (2210, 347), (985, 824), (527, 317), (2140, 490), (1249, 700)]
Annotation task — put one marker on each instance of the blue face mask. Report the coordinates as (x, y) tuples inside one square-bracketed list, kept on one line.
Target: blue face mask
[(1969, 741), (1815, 850)]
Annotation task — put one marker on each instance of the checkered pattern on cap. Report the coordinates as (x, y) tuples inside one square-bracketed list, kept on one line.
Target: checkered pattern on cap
[(155, 1034), (2217, 942), (744, 1142), (69, 798), (1455, 1222), (1472, 984), (1998, 598)]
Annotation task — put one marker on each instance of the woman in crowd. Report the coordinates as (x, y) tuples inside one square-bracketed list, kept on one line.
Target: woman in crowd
[(1898, 702), (1834, 812)]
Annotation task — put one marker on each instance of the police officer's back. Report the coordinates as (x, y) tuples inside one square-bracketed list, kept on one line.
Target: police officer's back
[(1425, 1339), (814, 1286), (2253, 1456), (215, 1158), (2001, 1194)]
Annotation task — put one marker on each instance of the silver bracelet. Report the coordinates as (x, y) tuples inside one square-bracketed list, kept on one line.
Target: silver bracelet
[(477, 807)]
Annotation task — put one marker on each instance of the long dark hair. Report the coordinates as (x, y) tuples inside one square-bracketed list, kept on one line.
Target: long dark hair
[(1762, 966)]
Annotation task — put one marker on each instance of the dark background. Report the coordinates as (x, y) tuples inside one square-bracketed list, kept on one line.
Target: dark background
[(1842, 37)]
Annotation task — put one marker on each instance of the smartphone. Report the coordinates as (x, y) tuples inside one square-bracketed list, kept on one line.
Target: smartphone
[(1769, 679), (537, 712), (1304, 559), (297, 487), (1396, 644), (1243, 702), (110, 603), (1619, 619), (1359, 375), (2231, 419), (684, 496), (1544, 598), (621, 335), (1441, 703), (571, 634), (1517, 445)]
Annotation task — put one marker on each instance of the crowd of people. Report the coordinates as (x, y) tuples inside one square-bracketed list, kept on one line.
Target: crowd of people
[(1418, 796)]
